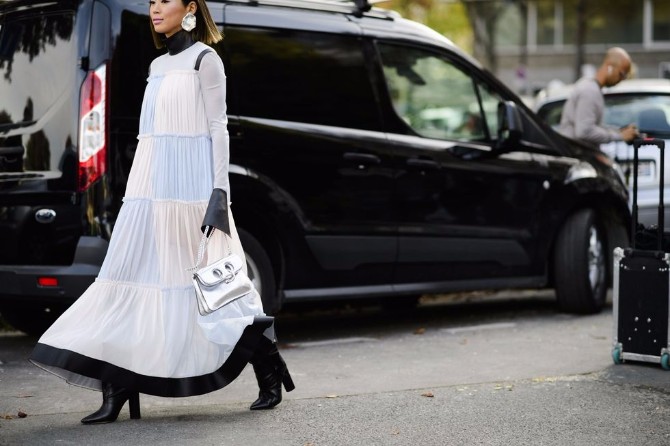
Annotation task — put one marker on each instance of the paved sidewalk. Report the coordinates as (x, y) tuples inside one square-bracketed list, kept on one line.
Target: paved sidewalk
[(608, 408), (499, 374)]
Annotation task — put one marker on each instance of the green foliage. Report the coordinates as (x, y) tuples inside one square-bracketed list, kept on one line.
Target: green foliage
[(448, 18)]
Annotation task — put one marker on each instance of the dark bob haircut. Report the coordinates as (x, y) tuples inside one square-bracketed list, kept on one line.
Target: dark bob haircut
[(205, 29)]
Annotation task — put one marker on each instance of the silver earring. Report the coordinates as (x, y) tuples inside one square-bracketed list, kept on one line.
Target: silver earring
[(188, 22)]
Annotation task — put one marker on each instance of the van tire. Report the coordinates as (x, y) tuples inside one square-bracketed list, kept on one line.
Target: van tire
[(580, 264), (259, 270)]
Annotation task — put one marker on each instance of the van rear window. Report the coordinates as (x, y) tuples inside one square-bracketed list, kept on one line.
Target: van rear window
[(37, 78)]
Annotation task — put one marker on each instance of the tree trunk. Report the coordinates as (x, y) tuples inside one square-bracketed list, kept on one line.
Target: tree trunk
[(522, 74), (483, 16), (581, 37)]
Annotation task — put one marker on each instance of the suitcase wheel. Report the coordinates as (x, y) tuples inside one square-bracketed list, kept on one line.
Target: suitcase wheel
[(616, 355), (665, 361)]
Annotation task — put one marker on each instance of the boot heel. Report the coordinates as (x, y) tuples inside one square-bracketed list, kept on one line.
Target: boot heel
[(113, 400), (134, 406), (288, 381)]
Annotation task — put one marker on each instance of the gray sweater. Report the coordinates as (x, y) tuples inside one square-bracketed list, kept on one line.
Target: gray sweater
[(582, 116)]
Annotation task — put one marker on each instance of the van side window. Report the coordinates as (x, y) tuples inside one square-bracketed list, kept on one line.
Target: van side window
[(436, 98), (310, 77), (489, 101)]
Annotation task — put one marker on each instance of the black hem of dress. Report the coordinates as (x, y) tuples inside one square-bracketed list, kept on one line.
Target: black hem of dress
[(77, 363)]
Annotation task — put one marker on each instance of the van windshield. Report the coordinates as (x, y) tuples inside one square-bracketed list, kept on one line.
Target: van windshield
[(37, 78)]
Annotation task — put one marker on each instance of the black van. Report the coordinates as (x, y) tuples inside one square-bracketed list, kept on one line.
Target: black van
[(370, 157)]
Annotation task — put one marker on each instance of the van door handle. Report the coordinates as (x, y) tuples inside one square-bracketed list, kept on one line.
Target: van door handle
[(423, 163), (364, 158)]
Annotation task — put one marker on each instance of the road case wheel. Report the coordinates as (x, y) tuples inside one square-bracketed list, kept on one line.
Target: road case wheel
[(665, 361), (616, 355)]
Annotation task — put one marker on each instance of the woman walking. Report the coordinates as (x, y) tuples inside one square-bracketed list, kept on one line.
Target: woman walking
[(137, 328)]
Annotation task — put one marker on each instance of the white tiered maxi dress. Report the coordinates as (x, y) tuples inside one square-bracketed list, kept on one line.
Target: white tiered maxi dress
[(137, 326)]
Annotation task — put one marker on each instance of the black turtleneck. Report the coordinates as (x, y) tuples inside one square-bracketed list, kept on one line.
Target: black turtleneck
[(178, 42)]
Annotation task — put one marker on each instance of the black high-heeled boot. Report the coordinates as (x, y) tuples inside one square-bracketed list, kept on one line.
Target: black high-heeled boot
[(113, 399), (271, 372)]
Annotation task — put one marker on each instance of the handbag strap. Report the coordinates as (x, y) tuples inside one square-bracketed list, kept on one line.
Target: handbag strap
[(204, 240)]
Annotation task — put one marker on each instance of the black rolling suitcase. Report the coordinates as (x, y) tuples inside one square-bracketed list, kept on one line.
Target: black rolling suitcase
[(642, 286)]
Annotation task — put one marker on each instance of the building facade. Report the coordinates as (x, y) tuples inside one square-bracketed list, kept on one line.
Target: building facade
[(536, 40)]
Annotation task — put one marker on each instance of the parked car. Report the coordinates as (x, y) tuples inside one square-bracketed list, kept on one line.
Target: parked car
[(646, 103), (344, 184)]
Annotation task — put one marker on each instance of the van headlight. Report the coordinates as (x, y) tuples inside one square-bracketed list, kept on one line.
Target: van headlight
[(580, 171)]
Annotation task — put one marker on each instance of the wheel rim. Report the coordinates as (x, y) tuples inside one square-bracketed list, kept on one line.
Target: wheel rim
[(596, 259), (254, 274)]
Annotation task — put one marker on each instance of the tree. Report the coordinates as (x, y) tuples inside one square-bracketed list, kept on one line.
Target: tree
[(592, 18), (448, 17), (581, 37), (471, 24), (483, 16)]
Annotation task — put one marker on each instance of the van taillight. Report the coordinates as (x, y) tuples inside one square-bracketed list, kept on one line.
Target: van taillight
[(47, 281), (92, 127)]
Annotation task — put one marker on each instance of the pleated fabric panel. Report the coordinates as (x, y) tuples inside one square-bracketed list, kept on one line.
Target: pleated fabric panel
[(138, 321)]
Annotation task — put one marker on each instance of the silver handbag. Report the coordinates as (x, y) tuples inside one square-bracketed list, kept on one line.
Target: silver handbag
[(219, 283)]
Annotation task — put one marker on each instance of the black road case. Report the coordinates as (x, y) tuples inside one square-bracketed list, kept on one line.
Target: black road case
[(642, 286)]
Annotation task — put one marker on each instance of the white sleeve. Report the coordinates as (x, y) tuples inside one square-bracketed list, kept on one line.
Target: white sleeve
[(213, 85), (588, 113)]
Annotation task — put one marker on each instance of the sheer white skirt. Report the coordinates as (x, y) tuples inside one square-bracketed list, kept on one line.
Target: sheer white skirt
[(138, 323)]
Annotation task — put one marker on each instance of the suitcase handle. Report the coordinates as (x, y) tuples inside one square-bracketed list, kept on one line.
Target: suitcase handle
[(637, 143), (630, 252)]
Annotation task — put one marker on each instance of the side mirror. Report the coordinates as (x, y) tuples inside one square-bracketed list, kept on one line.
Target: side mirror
[(510, 127)]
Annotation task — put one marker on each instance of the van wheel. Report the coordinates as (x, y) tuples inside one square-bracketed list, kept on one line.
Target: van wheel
[(32, 321), (259, 269), (580, 264)]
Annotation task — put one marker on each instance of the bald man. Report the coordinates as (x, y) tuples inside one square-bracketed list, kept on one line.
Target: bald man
[(582, 117)]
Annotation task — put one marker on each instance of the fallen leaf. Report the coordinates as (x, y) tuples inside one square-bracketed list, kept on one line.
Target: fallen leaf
[(419, 331), (428, 394), (6, 417), (395, 432), (542, 379), (22, 414)]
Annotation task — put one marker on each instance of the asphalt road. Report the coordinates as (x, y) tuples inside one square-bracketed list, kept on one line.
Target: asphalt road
[(501, 371)]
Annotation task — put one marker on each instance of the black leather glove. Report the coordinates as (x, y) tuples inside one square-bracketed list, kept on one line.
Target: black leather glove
[(217, 212)]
